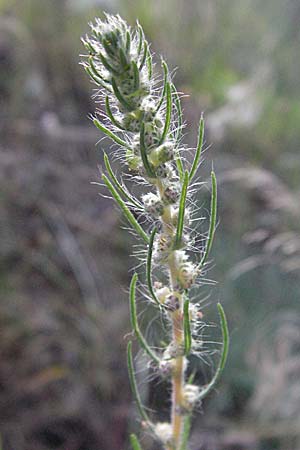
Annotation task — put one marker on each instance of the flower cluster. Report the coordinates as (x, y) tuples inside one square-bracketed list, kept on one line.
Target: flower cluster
[(145, 120)]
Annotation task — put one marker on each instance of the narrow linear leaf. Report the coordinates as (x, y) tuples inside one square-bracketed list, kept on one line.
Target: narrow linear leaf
[(107, 47), (187, 328), (130, 217), (179, 113), (213, 219), (109, 112), (110, 134), (144, 156), (225, 335), (134, 322), (133, 384), (107, 65), (97, 80), (198, 149), (149, 64), (123, 58), (120, 97), (88, 46), (166, 73), (179, 162), (96, 72), (168, 113), (118, 185), (225, 346), (140, 38), (128, 41), (186, 432), (191, 378), (136, 75), (149, 266), (182, 203), (144, 57), (134, 442)]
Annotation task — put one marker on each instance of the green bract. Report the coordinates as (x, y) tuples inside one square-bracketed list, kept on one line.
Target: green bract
[(144, 119)]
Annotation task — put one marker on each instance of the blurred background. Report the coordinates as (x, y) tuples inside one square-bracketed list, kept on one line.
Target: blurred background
[(64, 257)]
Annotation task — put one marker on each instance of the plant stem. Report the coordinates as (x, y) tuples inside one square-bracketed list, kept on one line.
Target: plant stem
[(178, 372), (177, 336)]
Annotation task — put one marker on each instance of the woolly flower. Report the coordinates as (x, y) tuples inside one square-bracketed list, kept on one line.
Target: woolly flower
[(187, 271), (163, 431), (190, 396), (153, 204), (162, 293)]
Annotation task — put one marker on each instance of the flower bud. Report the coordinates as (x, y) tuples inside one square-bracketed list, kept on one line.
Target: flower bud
[(162, 154), (153, 204), (162, 293), (190, 396), (172, 303), (171, 194), (152, 136), (166, 367), (149, 110), (163, 246), (164, 432), (131, 123), (132, 160), (186, 275), (187, 271), (162, 171)]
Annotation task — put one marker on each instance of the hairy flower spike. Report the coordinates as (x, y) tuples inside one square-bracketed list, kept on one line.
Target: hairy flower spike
[(144, 118)]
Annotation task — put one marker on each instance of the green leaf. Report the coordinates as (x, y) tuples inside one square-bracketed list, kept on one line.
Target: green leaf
[(128, 41), (191, 378), (149, 266), (97, 80), (127, 105), (150, 172), (198, 149), (212, 222), (168, 113), (181, 211), (130, 217), (187, 328), (88, 46), (186, 432), (107, 65), (133, 384), (134, 322), (141, 38), (110, 134), (225, 347), (136, 75), (166, 73), (96, 72), (107, 47), (149, 63), (144, 57), (179, 113), (118, 185), (134, 442), (123, 58), (111, 116), (179, 162)]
